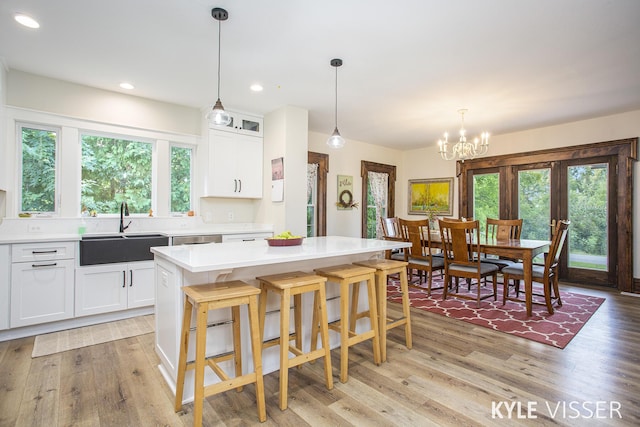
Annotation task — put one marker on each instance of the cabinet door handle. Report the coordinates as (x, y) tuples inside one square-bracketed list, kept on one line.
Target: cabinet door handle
[(235, 185), (240, 190), (130, 278), (44, 265), (44, 252), (124, 278)]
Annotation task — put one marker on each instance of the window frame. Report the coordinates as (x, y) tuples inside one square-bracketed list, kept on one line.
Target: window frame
[(20, 124), (322, 160), (365, 168)]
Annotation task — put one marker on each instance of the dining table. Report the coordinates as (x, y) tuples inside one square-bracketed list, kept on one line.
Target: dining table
[(522, 249)]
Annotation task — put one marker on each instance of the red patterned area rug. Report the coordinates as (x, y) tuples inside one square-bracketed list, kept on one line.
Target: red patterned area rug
[(556, 329)]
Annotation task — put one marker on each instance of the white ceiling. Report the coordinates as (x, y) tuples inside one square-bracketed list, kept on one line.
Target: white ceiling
[(409, 65)]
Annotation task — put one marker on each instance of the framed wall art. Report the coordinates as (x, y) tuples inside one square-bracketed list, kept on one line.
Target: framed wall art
[(431, 197), (345, 193)]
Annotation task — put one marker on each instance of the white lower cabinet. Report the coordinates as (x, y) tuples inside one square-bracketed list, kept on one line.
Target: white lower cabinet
[(112, 287), (42, 282), (5, 289), (41, 291)]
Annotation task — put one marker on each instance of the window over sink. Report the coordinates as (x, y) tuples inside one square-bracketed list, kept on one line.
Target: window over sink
[(116, 170)]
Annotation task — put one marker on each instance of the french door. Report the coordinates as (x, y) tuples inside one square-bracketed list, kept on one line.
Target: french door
[(589, 186)]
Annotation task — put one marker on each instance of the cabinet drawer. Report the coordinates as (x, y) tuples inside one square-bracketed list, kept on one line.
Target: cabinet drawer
[(28, 252)]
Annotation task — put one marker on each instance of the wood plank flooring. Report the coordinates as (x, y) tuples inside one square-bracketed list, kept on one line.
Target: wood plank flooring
[(456, 375)]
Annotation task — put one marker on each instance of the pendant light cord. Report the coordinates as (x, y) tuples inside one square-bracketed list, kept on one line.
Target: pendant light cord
[(336, 110), (219, 44)]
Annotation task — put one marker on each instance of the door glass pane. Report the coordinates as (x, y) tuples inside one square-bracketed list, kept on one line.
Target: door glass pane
[(588, 201), (486, 198), (312, 209), (534, 203)]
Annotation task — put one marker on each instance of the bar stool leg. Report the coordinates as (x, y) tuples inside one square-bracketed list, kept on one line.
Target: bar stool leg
[(237, 346), (256, 349), (406, 308), (285, 300), (201, 343), (321, 297), (373, 317), (297, 318), (355, 298), (381, 287), (344, 331), (184, 347)]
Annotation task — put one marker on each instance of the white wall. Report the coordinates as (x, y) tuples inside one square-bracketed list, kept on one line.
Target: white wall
[(346, 161), (83, 102), (285, 135)]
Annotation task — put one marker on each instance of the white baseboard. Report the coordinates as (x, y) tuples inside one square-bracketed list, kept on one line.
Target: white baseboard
[(630, 294)]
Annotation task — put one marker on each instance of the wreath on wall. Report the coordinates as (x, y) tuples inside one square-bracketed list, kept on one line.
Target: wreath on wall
[(345, 200)]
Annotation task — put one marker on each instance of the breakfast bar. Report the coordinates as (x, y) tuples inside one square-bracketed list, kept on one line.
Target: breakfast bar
[(178, 266)]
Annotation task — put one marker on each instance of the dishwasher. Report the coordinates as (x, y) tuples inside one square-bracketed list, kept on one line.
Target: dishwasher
[(196, 240)]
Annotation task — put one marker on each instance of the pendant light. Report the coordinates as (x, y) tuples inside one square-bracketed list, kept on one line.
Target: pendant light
[(336, 140), (218, 116)]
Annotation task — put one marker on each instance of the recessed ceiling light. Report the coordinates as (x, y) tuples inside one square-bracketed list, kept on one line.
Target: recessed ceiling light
[(27, 21), (256, 87), (127, 86)]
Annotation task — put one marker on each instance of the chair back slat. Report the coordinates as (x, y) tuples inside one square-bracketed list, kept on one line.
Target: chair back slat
[(557, 243), (503, 229), (390, 227), (461, 241), (418, 233)]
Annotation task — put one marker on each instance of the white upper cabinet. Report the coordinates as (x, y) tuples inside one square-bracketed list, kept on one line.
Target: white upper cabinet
[(242, 123), (235, 165)]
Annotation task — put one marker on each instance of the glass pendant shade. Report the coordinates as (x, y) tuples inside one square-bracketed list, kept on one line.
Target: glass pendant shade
[(336, 140), (217, 116)]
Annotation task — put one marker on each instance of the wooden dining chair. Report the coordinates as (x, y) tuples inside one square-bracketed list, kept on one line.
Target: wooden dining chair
[(546, 273), (420, 254), (502, 229), (391, 231), (461, 243)]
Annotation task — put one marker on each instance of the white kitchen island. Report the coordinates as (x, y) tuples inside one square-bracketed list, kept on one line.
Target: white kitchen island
[(177, 266)]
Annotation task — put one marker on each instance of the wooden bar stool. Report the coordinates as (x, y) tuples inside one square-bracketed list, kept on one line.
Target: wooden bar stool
[(213, 296), (294, 284), (384, 268), (347, 275)]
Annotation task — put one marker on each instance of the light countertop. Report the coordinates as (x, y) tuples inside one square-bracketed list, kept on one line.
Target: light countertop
[(227, 229), (220, 256)]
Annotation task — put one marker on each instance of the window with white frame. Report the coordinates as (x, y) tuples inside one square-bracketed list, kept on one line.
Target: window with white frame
[(181, 158), (38, 147), (116, 170)]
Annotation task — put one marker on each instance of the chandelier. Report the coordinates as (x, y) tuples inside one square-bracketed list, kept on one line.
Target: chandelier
[(463, 150)]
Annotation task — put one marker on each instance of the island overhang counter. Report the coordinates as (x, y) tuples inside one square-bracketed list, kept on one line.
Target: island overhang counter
[(177, 266)]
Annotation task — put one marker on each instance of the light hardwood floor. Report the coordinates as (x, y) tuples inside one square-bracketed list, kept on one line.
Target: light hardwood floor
[(454, 375)]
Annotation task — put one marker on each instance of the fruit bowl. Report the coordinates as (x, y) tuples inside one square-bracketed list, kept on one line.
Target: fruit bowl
[(285, 242)]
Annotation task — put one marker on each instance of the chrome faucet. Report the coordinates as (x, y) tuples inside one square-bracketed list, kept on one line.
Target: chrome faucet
[(124, 211)]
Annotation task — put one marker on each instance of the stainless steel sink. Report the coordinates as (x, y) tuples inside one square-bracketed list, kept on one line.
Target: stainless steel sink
[(114, 248)]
